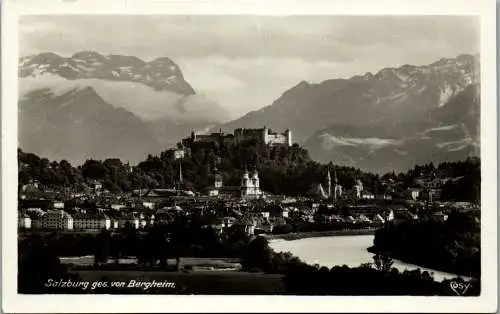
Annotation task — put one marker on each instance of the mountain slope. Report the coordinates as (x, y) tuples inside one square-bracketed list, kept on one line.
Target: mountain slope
[(454, 135), (393, 119), (77, 124), (154, 91), (399, 97)]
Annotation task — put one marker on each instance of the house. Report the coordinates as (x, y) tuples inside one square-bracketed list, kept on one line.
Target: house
[(35, 216), (156, 195), (128, 220), (96, 185), (57, 220), (440, 216), (366, 195), (169, 209), (117, 206), (384, 196), (278, 221), (378, 219), (149, 205), (162, 218), (248, 224), (317, 191), (91, 222), (414, 193), (363, 218), (265, 214), (58, 205), (435, 194), (223, 223), (24, 221), (278, 211), (350, 219), (263, 226), (390, 216), (214, 189)]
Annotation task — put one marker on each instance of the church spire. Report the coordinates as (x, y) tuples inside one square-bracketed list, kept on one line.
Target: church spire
[(329, 182)]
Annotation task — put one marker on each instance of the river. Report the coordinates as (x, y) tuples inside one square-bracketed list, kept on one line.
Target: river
[(342, 250)]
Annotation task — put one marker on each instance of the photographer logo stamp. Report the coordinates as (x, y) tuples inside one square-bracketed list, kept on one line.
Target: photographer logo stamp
[(460, 288)]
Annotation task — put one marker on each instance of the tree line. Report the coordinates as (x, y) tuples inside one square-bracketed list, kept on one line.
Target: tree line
[(282, 170), (39, 261), (452, 245)]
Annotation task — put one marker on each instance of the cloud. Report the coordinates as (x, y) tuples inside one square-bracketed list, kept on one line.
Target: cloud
[(246, 62)]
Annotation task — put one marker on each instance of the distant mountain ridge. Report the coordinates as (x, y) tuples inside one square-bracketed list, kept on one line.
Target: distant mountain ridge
[(346, 120), (79, 125), (453, 137), (154, 92), (160, 73)]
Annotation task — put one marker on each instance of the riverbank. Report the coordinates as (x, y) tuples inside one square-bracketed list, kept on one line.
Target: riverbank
[(423, 263), (314, 234)]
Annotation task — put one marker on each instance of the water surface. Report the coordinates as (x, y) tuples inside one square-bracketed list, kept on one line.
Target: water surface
[(342, 250)]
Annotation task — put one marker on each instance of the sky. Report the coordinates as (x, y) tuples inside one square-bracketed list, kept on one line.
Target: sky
[(246, 62)]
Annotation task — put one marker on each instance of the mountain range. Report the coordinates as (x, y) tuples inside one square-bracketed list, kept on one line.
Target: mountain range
[(393, 119), (89, 105), (157, 105)]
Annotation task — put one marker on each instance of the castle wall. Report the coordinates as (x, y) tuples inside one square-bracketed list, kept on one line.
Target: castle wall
[(263, 134), (277, 139)]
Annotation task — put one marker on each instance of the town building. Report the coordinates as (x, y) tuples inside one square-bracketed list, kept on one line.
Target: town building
[(91, 222), (250, 186), (128, 220), (247, 224), (317, 191), (366, 195), (358, 188), (214, 189), (58, 205), (24, 221), (223, 223), (35, 215), (414, 193), (57, 220)]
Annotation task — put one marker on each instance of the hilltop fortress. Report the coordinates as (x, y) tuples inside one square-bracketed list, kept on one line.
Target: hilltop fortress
[(264, 134)]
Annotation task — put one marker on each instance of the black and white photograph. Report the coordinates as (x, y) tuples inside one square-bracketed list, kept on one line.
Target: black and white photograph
[(332, 155)]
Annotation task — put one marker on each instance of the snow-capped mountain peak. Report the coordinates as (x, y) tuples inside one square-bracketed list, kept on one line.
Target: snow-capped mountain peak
[(160, 74)]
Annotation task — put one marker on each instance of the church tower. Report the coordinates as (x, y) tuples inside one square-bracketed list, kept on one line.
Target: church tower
[(337, 188), (358, 188), (329, 183)]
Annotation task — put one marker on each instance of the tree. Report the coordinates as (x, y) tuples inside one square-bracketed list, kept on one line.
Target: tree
[(383, 262), (37, 264), (102, 243)]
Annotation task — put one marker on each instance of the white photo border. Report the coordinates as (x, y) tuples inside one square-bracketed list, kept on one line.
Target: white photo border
[(13, 302)]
